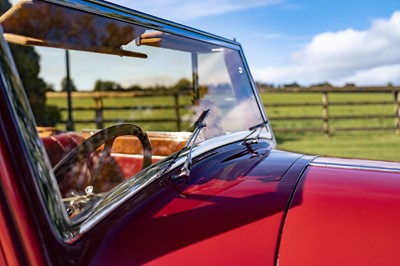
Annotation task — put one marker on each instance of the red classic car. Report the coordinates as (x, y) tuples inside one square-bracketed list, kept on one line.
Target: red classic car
[(214, 190)]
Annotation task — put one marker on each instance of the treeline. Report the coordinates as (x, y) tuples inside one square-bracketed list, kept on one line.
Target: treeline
[(264, 86), (185, 84), (106, 85)]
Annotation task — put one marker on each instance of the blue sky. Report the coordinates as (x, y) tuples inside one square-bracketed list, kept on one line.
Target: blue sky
[(303, 41), (306, 41)]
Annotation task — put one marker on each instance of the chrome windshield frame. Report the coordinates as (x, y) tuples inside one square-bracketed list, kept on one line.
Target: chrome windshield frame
[(68, 230), (114, 11)]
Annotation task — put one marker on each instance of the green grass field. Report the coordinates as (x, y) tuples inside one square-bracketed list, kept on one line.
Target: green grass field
[(364, 145), (369, 144)]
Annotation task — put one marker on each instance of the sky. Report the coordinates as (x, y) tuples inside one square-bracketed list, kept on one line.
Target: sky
[(303, 41)]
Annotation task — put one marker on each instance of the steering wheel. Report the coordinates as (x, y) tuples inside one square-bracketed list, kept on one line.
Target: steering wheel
[(106, 137)]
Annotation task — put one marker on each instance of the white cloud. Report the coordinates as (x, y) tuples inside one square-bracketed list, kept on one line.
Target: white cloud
[(190, 9), (363, 57), (374, 76)]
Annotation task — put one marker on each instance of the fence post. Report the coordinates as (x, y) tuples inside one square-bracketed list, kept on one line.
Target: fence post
[(396, 96), (325, 113), (99, 112), (177, 112)]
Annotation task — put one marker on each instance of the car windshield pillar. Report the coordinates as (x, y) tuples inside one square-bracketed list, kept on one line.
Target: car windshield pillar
[(32, 149)]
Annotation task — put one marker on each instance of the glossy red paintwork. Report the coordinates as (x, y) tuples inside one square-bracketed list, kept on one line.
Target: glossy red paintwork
[(357, 163), (8, 250), (243, 204), (226, 217), (343, 217), (16, 217), (24, 216)]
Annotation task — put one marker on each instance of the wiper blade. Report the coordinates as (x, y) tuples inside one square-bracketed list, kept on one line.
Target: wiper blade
[(258, 126), (200, 121), (199, 125), (261, 125)]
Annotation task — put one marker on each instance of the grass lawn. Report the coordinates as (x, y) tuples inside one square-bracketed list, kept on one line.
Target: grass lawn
[(364, 145)]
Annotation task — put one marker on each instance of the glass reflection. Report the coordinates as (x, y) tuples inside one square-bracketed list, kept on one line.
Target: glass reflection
[(186, 76)]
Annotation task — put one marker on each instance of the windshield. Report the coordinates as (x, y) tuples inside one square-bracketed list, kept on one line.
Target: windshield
[(136, 93)]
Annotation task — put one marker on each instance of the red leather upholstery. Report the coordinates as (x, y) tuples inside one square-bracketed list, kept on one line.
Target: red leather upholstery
[(132, 164), (57, 146), (114, 170)]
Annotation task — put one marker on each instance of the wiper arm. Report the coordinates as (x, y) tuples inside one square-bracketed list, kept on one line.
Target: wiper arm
[(199, 125), (258, 126), (185, 170), (261, 125)]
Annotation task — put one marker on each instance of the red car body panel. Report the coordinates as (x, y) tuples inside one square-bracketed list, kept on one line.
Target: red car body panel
[(217, 211), (358, 164), (8, 251), (14, 216), (343, 216), (243, 202)]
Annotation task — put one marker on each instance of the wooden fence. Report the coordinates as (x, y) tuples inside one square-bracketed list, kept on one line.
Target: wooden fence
[(325, 103), (99, 108)]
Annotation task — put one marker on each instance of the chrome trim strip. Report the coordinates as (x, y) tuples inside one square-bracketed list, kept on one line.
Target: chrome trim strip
[(356, 167)]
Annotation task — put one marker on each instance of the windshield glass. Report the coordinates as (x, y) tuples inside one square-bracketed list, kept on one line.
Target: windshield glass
[(122, 74)]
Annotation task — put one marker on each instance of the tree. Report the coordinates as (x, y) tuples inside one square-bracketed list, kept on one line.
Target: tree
[(322, 84), (27, 62), (290, 85), (64, 84), (261, 85), (349, 84), (183, 85), (134, 87), (107, 86)]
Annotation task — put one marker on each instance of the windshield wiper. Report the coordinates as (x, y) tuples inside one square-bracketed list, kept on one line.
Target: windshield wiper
[(261, 125), (198, 126), (185, 170), (258, 126)]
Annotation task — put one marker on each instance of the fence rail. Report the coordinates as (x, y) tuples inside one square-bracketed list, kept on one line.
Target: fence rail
[(326, 104)]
